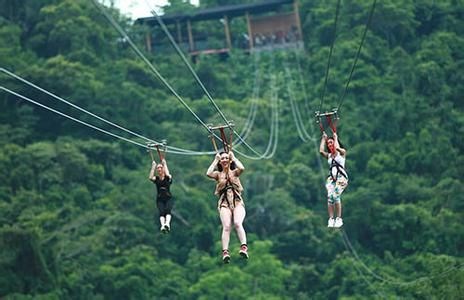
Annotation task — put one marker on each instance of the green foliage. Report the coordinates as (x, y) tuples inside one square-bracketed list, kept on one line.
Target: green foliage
[(78, 215), (22, 260)]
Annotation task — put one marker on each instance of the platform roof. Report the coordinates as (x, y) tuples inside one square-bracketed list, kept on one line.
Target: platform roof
[(217, 12)]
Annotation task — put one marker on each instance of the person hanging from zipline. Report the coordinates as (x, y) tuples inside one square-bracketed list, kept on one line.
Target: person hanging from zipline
[(163, 181), (225, 170), (337, 181)]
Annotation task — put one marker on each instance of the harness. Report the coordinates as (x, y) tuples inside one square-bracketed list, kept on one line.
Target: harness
[(227, 146), (223, 195), (163, 188), (340, 170)]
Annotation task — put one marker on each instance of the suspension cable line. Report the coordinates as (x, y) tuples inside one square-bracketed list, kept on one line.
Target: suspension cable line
[(156, 72), (274, 130), (303, 86), (349, 247), (178, 151), (369, 19), (25, 81), (252, 113), (330, 54), (72, 118), (273, 136), (361, 273), (391, 281), (197, 79), (305, 95), (250, 119), (304, 135), (140, 54), (71, 104)]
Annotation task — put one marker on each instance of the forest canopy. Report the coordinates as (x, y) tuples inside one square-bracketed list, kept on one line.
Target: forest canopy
[(78, 215)]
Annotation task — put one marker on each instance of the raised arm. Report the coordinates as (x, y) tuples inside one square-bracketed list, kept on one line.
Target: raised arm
[(151, 176), (165, 165), (211, 173), (322, 145), (240, 168), (341, 150)]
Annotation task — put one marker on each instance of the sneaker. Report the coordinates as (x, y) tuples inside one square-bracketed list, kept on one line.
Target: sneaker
[(338, 222), (331, 223), (167, 228), (243, 251), (225, 256), (163, 229)]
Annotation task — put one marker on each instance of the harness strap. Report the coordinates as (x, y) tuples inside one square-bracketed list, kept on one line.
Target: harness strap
[(223, 194), (340, 170), (159, 153), (224, 140), (331, 124)]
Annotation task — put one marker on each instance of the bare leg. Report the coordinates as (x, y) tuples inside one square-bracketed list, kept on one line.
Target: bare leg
[(338, 208), (226, 220), (239, 216), (330, 209), (330, 191)]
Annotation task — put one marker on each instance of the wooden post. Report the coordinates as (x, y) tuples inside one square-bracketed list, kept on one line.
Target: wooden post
[(227, 32), (250, 33), (297, 18), (179, 32), (189, 28), (148, 40)]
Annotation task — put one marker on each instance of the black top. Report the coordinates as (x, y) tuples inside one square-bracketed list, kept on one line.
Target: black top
[(162, 186)]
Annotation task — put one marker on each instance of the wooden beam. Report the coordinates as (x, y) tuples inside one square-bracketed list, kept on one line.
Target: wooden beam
[(190, 36), (179, 32), (250, 32), (297, 17), (148, 40), (227, 32)]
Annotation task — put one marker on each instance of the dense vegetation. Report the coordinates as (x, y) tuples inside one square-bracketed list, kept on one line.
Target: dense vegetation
[(77, 213)]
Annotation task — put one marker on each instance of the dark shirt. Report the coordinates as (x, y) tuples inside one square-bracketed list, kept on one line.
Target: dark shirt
[(162, 187)]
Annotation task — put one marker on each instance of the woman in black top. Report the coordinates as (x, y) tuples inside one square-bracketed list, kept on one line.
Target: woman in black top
[(164, 198)]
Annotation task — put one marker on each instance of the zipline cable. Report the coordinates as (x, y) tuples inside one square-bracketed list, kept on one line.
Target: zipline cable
[(194, 74), (311, 126), (303, 86), (304, 135), (390, 281), (71, 104), (273, 136), (256, 90), (163, 80), (349, 247), (274, 131), (175, 150), (361, 273), (156, 72), (275, 122), (330, 54), (250, 119), (140, 54), (72, 118), (369, 19)]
